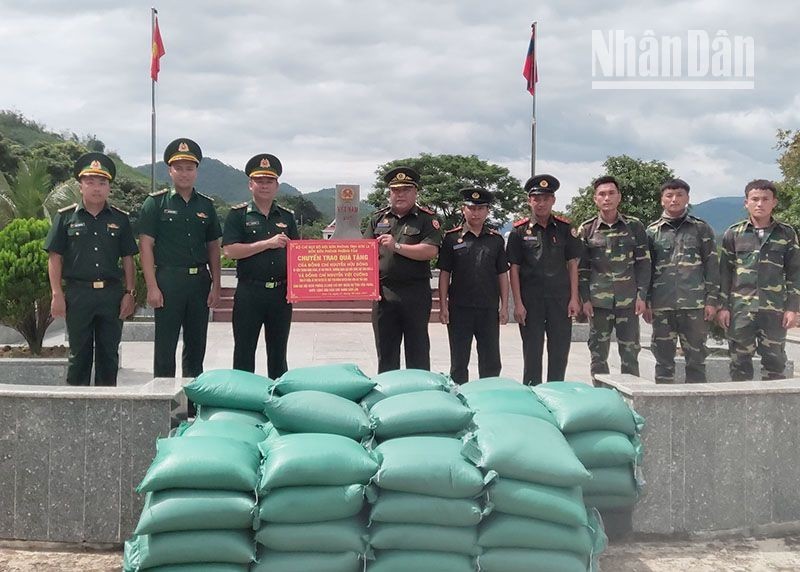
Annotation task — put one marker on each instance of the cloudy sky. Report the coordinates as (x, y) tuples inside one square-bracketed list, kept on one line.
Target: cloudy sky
[(336, 87)]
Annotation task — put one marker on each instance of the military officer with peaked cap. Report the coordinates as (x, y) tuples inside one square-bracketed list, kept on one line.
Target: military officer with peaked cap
[(256, 235), (543, 251), (179, 237), (473, 282), (85, 244), (409, 237)]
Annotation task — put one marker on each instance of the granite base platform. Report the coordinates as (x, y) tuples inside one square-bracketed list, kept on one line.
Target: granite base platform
[(33, 371), (71, 457), (717, 368), (138, 331), (719, 458)]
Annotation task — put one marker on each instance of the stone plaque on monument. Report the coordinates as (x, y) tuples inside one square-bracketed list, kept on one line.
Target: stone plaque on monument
[(348, 223)]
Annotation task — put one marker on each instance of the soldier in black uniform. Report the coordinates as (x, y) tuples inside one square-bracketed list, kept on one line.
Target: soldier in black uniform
[(256, 235), (409, 237), (473, 280), (543, 251), (179, 236), (86, 242)]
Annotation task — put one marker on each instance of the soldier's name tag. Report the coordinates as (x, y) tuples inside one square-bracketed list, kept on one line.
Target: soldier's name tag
[(460, 246), (252, 223), (382, 228), (533, 240), (77, 224), (170, 211)]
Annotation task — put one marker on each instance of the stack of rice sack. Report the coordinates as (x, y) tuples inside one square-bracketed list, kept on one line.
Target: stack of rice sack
[(200, 489), (199, 507), (538, 521), (603, 431), (314, 472), (424, 512), (229, 395), (398, 381), (503, 395)]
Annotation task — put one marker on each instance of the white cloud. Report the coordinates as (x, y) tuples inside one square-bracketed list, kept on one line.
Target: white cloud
[(337, 87)]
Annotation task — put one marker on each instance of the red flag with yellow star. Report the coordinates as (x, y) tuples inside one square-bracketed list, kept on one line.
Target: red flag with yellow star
[(158, 51)]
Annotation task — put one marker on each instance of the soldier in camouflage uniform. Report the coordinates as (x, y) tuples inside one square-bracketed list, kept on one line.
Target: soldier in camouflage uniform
[(760, 285), (614, 278), (683, 293)]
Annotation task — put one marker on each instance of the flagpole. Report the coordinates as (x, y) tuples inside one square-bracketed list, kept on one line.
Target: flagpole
[(153, 13), (533, 109)]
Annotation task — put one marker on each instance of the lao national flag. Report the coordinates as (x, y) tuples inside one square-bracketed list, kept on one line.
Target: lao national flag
[(530, 72)]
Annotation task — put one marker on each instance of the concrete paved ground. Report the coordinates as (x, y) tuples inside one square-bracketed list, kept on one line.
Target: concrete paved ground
[(323, 343)]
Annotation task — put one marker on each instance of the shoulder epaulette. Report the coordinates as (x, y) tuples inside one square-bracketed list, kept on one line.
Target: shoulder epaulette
[(283, 208), (116, 208), (68, 208), (696, 218), (385, 209), (738, 224), (521, 222), (159, 193), (425, 210), (491, 230), (588, 221), (630, 218), (562, 218), (239, 206), (205, 196), (456, 229)]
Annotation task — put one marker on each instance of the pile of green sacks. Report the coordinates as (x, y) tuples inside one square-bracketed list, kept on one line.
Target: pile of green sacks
[(200, 488), (537, 519), (603, 432), (328, 470), (425, 511)]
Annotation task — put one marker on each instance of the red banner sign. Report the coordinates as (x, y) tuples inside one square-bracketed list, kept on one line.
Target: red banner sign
[(332, 270)]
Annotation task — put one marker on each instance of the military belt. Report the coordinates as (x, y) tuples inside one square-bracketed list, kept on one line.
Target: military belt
[(94, 284), (190, 270), (263, 284)]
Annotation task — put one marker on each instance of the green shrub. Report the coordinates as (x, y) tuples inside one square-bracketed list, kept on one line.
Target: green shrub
[(24, 285)]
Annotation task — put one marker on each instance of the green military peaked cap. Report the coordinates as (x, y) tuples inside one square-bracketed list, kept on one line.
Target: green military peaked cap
[(264, 165), (402, 177), (95, 164), (541, 185), (183, 149), (476, 196)]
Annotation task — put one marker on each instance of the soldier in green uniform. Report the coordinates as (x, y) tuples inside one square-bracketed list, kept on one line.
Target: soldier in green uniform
[(85, 245), (256, 235), (409, 237), (179, 237), (759, 285), (614, 278), (543, 251), (473, 281), (685, 285)]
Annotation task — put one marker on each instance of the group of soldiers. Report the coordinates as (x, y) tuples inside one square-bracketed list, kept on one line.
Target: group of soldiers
[(611, 268)]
